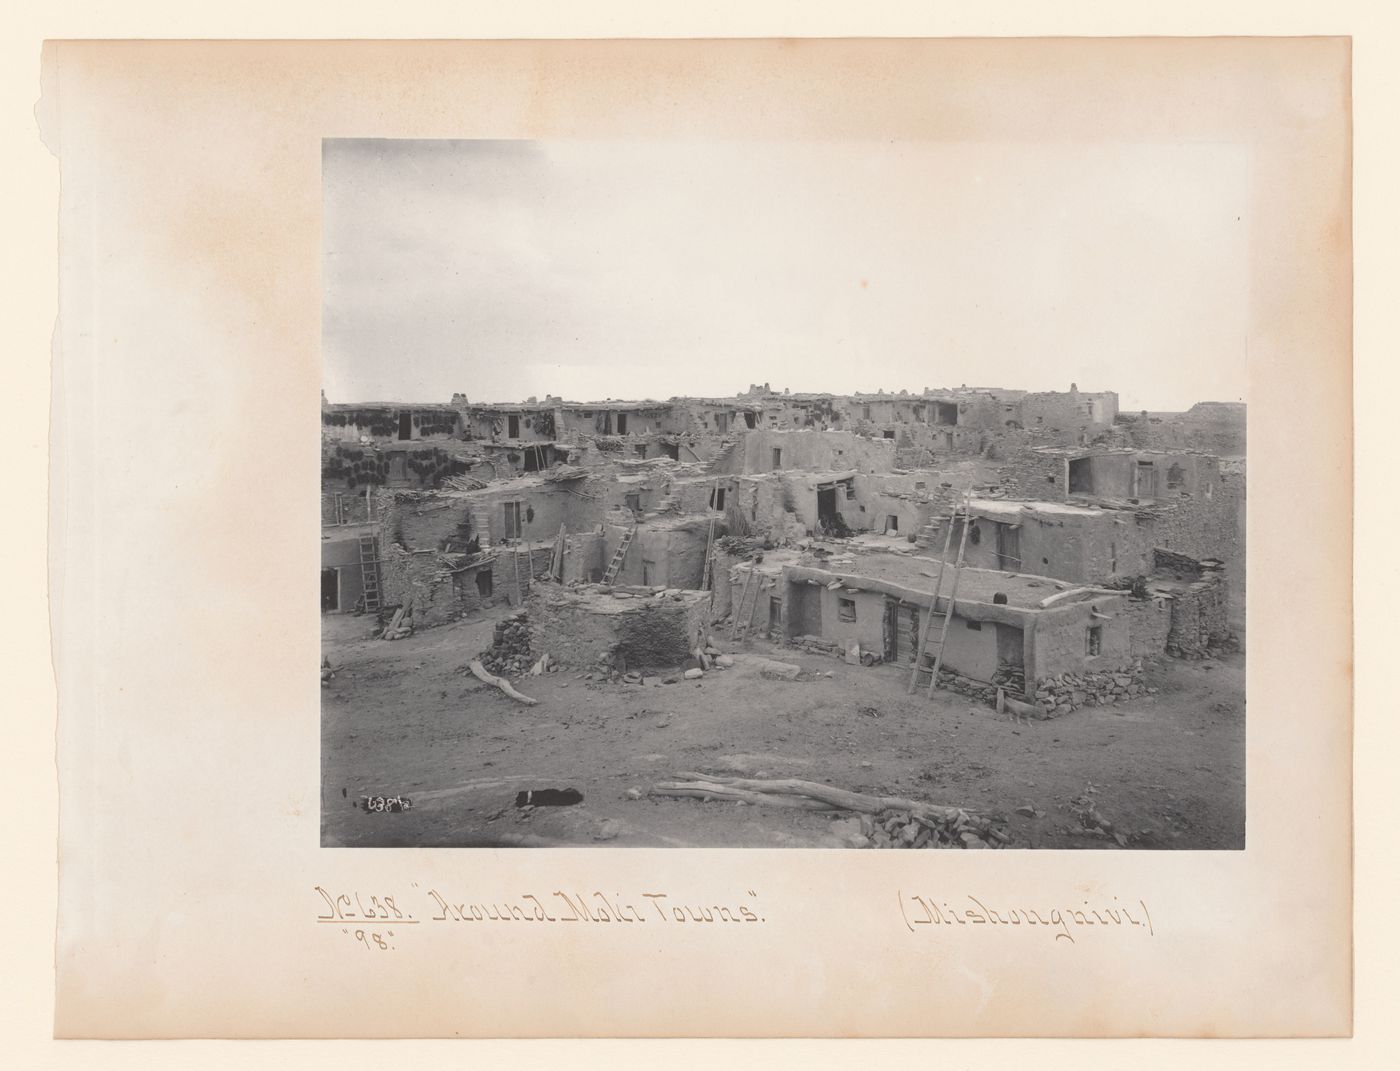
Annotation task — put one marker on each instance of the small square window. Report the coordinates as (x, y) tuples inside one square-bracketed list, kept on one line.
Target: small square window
[(1093, 640), (975, 626), (846, 609)]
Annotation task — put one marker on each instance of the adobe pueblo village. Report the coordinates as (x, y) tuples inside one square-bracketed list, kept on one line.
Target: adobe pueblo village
[(970, 618)]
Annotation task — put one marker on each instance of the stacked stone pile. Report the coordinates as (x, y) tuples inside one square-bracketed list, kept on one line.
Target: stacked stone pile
[(954, 682), (1012, 678), (905, 829), (815, 645), (509, 653), (1070, 691)]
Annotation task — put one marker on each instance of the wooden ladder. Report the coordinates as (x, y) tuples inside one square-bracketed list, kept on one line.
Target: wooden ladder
[(936, 622), (556, 560), (707, 578), (369, 570), (520, 588), (619, 556), (748, 603)]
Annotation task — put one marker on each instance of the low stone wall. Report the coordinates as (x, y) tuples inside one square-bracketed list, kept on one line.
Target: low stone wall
[(1070, 691), (620, 630)]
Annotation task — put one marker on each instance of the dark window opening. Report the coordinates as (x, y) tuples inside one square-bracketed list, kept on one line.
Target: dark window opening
[(945, 413), (975, 626), (641, 449), (1174, 478), (512, 427), (484, 582), (846, 609), (999, 598), (750, 420), (850, 491), (974, 534), (671, 450), (717, 498), (777, 458), (1093, 640), (634, 501), (406, 425), (889, 435), (622, 423)]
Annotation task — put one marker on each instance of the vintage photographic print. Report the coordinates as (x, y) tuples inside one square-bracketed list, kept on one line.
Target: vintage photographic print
[(777, 494)]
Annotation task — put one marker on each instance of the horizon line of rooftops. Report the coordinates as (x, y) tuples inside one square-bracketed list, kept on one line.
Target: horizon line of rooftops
[(754, 398)]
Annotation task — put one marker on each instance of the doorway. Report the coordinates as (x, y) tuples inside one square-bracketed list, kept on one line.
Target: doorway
[(826, 506), (1081, 476), (330, 590), (405, 425), (512, 427), (902, 623), (775, 616), (1008, 548), (1145, 484), (484, 583), (512, 511)]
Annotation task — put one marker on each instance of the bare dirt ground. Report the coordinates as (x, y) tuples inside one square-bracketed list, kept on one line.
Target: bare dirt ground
[(406, 718)]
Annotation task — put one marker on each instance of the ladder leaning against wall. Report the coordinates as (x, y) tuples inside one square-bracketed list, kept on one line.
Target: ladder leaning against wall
[(935, 631), (369, 572), (619, 555)]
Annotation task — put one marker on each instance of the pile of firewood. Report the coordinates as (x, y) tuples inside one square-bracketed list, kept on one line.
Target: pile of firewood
[(881, 822)]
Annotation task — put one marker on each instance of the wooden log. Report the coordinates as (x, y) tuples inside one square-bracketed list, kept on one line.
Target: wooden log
[(480, 673), (1025, 710), (836, 797), (710, 790)]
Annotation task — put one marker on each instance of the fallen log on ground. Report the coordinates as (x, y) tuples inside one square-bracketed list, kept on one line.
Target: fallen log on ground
[(885, 821), (479, 672), (835, 797), (733, 794)]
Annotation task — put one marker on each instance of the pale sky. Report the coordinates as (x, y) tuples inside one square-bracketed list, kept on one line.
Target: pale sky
[(503, 269)]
